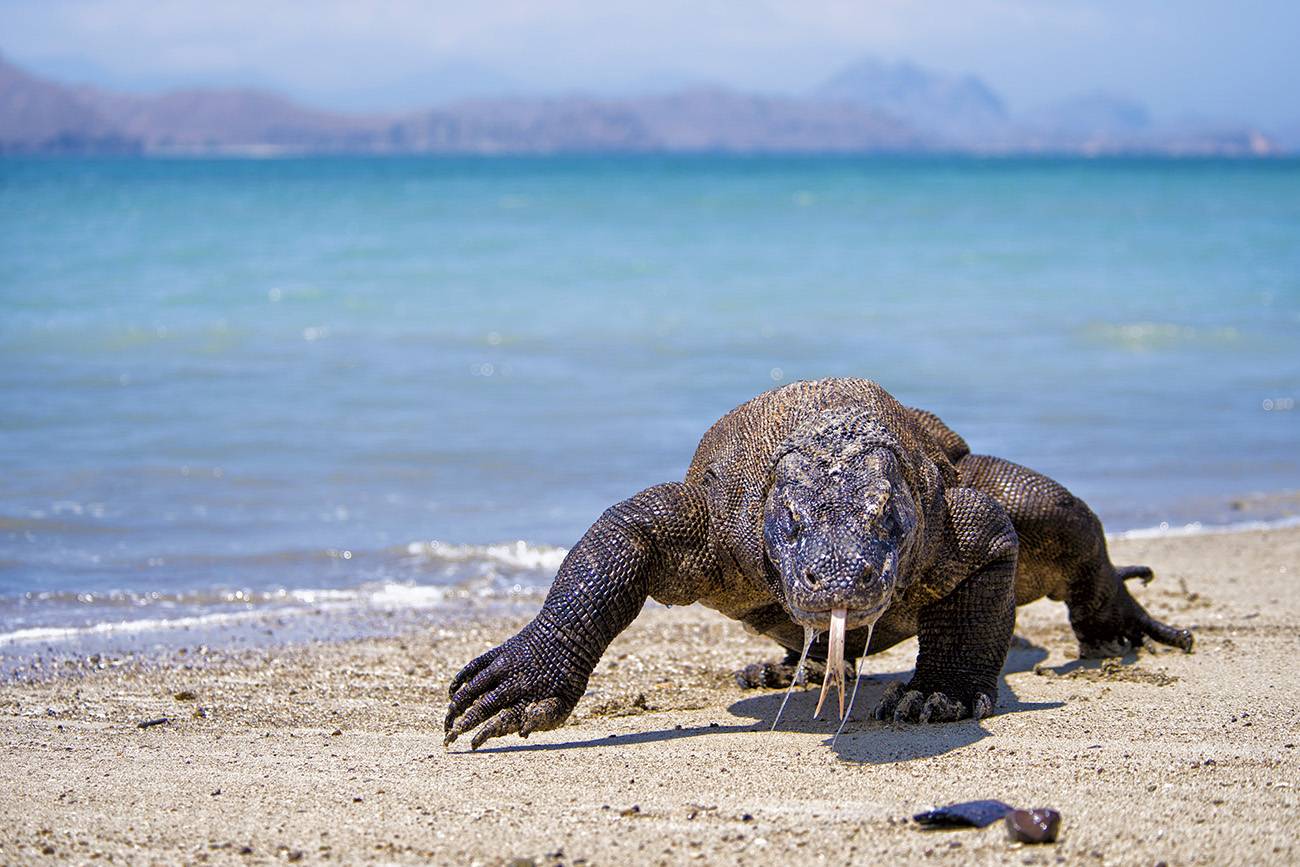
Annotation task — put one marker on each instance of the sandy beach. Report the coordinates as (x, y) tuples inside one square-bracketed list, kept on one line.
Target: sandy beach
[(333, 752)]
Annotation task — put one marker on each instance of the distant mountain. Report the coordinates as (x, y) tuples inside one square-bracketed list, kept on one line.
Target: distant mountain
[(523, 126), (869, 108), (694, 121), (1101, 123), (198, 120), (960, 110), (40, 117), (251, 121), (1090, 115)]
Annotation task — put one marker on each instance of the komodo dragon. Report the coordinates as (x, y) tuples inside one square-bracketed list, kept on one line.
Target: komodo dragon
[(824, 506)]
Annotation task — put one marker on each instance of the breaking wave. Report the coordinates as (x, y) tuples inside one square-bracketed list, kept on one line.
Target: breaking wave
[(421, 576)]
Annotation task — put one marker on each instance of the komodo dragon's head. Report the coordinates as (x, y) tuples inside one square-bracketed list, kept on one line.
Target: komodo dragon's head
[(840, 520), (841, 523)]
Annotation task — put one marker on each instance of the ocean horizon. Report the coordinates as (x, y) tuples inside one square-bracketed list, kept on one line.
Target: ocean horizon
[(240, 387)]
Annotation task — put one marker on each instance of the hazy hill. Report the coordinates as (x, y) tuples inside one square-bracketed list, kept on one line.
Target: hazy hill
[(197, 120), (868, 108), (715, 119), (39, 116), (1089, 115), (955, 109)]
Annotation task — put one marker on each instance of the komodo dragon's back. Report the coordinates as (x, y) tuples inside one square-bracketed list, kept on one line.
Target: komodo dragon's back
[(740, 446), (735, 457)]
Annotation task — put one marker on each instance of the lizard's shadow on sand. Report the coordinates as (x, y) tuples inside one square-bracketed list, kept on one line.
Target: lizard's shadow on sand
[(870, 742), (863, 739)]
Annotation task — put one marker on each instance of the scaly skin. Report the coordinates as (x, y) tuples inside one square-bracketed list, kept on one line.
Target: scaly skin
[(814, 496)]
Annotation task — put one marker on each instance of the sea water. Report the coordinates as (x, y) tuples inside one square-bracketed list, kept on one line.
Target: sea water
[(233, 386)]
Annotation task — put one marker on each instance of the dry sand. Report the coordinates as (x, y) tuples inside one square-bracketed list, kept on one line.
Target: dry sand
[(333, 752)]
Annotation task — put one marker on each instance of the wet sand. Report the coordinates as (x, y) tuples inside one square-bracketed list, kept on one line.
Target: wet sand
[(333, 752)]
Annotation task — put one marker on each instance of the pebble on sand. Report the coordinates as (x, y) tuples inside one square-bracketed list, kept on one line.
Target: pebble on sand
[(1033, 826)]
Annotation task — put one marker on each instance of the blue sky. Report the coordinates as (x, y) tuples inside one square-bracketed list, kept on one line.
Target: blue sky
[(1236, 61)]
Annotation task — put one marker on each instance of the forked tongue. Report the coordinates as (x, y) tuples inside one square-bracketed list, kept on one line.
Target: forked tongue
[(809, 636), (857, 679), (834, 661)]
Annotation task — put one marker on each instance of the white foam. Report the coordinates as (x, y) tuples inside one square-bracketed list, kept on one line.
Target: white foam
[(1196, 528), (38, 634), (384, 597), (516, 555), (312, 596), (407, 596)]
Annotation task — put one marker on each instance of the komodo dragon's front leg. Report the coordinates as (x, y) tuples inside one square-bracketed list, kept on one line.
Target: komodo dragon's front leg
[(962, 638), (655, 543)]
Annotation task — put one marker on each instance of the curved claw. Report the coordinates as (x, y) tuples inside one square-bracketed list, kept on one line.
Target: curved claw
[(481, 689), (504, 723), (939, 708), (1128, 573), (902, 704), (1170, 635), (474, 666), (515, 687), (889, 701), (909, 707)]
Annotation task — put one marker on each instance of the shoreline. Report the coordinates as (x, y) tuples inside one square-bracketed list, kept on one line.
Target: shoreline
[(285, 617), (328, 752)]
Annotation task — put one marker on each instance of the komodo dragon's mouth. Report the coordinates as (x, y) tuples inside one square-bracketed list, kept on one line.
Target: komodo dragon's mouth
[(835, 661)]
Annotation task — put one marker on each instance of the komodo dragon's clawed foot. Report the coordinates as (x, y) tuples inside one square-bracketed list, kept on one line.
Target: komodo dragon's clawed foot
[(777, 675), (900, 703), (1123, 625)]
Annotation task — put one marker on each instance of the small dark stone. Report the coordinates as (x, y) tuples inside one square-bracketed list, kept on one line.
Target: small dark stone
[(294, 855), (973, 814), (1033, 826), (630, 811), (184, 695), (150, 723), (747, 818)]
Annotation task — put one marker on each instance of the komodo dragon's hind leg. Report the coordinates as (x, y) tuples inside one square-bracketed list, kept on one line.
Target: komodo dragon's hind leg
[(1062, 551), (1063, 555), (1106, 618)]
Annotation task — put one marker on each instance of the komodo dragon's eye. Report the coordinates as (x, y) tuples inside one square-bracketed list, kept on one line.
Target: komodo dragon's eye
[(792, 524)]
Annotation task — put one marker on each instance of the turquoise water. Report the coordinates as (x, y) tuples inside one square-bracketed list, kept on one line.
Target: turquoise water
[(230, 384)]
